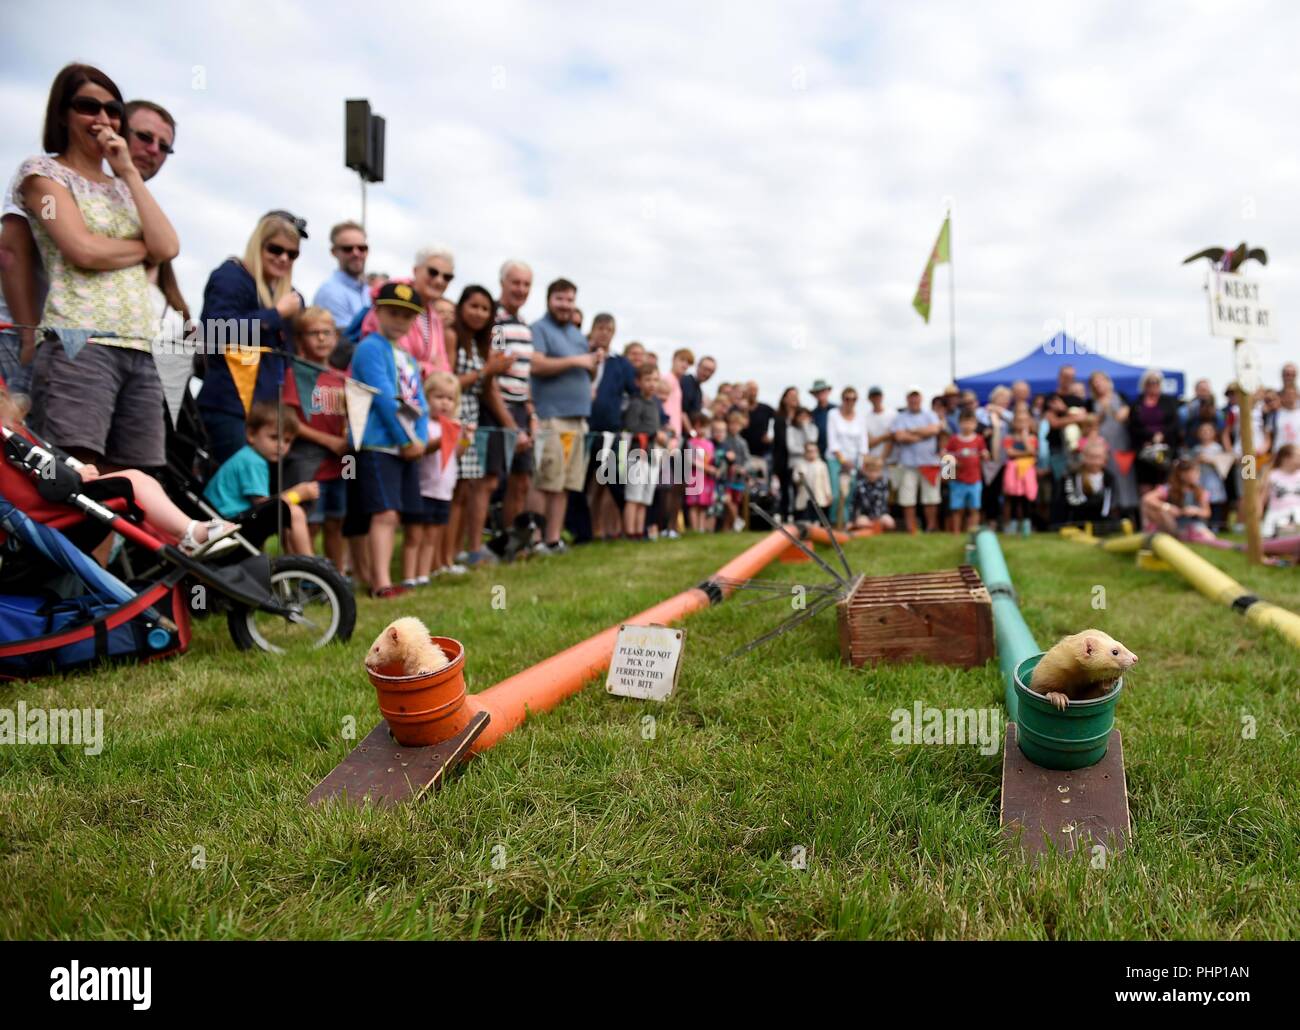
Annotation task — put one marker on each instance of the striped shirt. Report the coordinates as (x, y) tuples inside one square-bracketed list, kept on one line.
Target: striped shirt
[(512, 335)]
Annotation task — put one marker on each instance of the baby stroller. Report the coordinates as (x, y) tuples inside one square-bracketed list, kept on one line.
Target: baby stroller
[(310, 580), (59, 610)]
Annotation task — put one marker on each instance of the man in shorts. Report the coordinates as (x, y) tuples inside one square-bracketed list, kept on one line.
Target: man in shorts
[(562, 368), (916, 442)]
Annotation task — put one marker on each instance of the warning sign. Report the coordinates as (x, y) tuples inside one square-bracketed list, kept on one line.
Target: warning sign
[(645, 662)]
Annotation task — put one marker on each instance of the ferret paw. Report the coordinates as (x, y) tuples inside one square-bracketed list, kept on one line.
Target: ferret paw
[(1059, 700)]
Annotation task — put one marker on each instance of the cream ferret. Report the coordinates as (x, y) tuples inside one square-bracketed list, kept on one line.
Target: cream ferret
[(1081, 667), (405, 642)]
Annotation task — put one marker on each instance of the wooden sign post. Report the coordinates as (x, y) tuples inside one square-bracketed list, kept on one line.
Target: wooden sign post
[(1239, 308), (1249, 460)]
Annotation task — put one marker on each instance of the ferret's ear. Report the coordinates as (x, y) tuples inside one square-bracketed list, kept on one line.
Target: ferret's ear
[(393, 635), (1089, 645)]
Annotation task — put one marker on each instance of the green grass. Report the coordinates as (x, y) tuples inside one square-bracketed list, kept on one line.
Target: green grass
[(689, 834)]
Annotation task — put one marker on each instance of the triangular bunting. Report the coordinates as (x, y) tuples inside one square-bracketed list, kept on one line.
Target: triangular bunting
[(74, 340), (481, 438), (357, 397), (1124, 461), (1223, 463), (173, 367), (243, 372), (450, 438), (931, 473)]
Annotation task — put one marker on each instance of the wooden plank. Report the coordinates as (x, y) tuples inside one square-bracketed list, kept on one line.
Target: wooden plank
[(1066, 810), (382, 771)]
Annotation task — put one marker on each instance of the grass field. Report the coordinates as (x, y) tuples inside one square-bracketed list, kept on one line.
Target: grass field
[(603, 833)]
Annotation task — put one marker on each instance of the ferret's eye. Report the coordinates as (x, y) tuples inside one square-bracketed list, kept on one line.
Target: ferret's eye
[(1115, 651)]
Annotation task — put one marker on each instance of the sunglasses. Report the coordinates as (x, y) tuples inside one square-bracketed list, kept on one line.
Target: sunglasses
[(348, 248), (149, 139), (276, 250), (434, 273), (90, 106)]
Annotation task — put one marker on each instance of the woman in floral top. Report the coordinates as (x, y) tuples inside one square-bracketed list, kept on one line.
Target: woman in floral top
[(95, 233)]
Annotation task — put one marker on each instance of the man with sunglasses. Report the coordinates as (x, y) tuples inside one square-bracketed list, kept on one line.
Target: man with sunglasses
[(344, 294), (151, 131)]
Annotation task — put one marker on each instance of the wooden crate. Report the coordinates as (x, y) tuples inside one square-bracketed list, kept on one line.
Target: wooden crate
[(944, 617)]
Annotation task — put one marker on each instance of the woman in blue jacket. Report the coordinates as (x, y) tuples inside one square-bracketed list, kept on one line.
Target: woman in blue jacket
[(248, 306)]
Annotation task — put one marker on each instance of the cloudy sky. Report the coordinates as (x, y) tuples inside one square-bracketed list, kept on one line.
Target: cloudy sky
[(762, 182)]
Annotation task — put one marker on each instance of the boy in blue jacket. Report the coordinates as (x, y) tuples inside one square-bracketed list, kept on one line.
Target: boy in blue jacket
[(397, 430)]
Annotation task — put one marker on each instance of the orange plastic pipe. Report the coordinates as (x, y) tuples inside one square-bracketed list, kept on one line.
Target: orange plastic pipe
[(544, 685), (820, 535)]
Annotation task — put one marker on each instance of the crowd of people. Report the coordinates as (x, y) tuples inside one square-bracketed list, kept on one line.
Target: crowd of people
[(488, 434)]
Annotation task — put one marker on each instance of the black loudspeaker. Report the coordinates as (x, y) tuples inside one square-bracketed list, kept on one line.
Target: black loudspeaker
[(357, 135), (376, 158)]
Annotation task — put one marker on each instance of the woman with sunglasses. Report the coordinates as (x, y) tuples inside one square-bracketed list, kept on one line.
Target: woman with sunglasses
[(243, 297), (95, 232), (435, 268)]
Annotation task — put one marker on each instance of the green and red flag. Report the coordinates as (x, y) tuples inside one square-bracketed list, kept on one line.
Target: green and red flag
[(938, 256)]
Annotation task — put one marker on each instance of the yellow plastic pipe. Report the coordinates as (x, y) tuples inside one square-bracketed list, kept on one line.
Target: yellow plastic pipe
[(544, 685), (1219, 586), (1208, 579)]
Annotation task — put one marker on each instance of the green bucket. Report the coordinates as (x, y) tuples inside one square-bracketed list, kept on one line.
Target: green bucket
[(1072, 739)]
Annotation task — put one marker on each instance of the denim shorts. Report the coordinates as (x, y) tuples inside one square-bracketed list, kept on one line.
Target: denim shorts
[(332, 503)]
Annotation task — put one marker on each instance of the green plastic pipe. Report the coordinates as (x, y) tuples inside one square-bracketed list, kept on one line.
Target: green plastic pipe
[(1015, 642)]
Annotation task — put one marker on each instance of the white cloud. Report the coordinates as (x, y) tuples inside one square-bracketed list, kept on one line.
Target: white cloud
[(762, 182)]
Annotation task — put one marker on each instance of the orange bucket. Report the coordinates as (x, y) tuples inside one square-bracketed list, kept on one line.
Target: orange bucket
[(424, 710)]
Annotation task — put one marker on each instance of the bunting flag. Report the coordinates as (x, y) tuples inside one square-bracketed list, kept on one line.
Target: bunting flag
[(243, 372), (1124, 461), (566, 441), (74, 340), (931, 473), (174, 368), (481, 438), (449, 440), (357, 397), (938, 256), (1223, 464)]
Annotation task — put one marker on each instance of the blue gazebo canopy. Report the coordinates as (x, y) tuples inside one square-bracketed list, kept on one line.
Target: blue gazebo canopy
[(1040, 366)]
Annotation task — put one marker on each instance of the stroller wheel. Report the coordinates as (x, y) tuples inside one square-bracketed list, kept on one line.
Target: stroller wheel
[(319, 595)]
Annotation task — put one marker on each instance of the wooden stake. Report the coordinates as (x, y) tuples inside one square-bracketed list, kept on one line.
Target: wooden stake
[(1250, 485)]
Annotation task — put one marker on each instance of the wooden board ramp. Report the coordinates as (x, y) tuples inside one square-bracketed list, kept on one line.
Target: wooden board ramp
[(1068, 810), (380, 770), (944, 617)]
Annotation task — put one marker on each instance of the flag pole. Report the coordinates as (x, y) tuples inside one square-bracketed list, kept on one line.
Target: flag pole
[(952, 307)]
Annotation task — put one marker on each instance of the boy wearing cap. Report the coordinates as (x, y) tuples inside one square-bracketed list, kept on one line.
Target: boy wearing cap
[(916, 437), (397, 429)]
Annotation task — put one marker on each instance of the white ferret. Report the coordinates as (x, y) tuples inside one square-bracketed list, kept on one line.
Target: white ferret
[(1081, 667), (406, 642)]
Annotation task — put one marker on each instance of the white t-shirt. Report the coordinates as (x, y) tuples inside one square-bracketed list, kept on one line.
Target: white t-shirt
[(1286, 428), (878, 425), (846, 436)]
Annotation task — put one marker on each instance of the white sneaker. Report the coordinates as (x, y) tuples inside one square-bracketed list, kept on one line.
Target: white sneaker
[(456, 569), (738, 525), (672, 534)]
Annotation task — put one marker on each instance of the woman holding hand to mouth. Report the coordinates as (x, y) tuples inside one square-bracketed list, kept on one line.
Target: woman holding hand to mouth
[(95, 232)]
